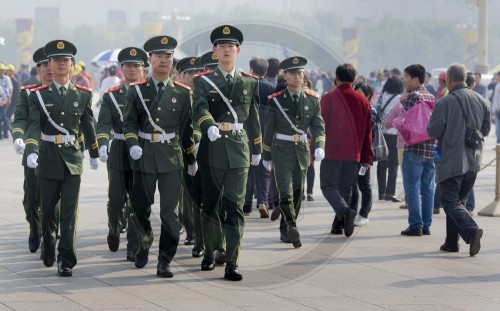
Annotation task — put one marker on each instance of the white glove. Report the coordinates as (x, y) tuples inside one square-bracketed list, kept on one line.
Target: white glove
[(19, 146), (103, 154), (83, 155), (196, 147), (255, 159), (319, 154), (213, 133), (192, 169), (94, 164), (135, 152), (32, 160), (268, 165)]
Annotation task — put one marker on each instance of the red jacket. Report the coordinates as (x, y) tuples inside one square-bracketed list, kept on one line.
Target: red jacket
[(347, 116)]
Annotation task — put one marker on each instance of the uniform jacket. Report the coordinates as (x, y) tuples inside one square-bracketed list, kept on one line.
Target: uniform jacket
[(74, 113), (232, 149), (21, 116), (447, 124), (306, 115), (109, 122), (171, 112)]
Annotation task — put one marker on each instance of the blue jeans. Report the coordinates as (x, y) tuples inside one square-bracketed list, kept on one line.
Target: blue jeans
[(418, 180)]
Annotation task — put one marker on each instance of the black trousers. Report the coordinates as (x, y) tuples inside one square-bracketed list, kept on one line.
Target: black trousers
[(336, 179), (311, 174), (362, 185), (387, 183)]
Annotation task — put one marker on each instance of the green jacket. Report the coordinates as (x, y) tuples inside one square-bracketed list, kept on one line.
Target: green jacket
[(306, 115), (21, 115), (232, 149), (73, 113), (110, 121), (172, 113)]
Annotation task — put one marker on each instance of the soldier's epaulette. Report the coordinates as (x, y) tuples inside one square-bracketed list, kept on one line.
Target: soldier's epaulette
[(275, 94), (202, 74), (26, 87), (139, 83), (250, 75), (81, 87), (182, 85), (311, 93), (113, 89), (40, 88)]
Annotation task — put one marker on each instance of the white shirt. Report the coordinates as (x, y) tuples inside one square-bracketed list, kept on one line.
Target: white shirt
[(108, 82), (495, 104)]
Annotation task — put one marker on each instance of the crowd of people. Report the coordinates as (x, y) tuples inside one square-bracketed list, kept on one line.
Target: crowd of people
[(210, 137)]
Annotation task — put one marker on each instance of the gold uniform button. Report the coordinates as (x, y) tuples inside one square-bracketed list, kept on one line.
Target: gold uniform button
[(173, 109), (157, 119), (62, 124), (230, 100), (228, 113), (295, 143), (159, 108), (226, 136), (62, 113), (296, 117), (59, 146), (76, 114)]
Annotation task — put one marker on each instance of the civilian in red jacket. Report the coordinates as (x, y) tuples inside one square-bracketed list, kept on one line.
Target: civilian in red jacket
[(347, 116)]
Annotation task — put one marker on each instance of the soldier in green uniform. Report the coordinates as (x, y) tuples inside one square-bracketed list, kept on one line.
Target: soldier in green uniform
[(224, 101), (157, 127), (209, 61), (120, 172), (291, 113), (57, 112), (30, 186)]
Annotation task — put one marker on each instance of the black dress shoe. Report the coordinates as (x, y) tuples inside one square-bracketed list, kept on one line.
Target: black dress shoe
[(337, 231), (131, 256), (207, 264), (113, 242), (294, 237), (163, 270), (232, 272), (141, 258), (189, 241), (63, 270), (447, 248), (349, 216), (426, 231), (49, 257), (310, 198), (275, 214), (392, 199), (33, 244), (197, 252), (475, 241), (284, 238), (220, 258), (412, 231), (124, 226)]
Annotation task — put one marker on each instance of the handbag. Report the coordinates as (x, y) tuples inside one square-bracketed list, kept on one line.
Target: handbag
[(473, 137), (412, 124), (380, 151)]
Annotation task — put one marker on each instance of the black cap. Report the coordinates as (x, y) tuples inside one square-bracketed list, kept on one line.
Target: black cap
[(39, 57), (133, 55), (208, 61), (187, 64), (226, 34), (160, 44), (60, 49), (293, 64)]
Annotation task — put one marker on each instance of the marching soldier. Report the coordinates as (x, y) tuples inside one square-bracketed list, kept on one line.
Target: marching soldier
[(209, 61), (157, 127), (30, 186), (56, 114), (291, 113), (224, 101), (120, 172)]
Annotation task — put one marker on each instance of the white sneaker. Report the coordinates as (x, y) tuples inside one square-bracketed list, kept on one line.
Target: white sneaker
[(360, 221)]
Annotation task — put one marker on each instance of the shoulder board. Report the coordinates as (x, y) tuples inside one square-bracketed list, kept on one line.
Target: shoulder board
[(275, 94), (40, 88), (250, 75), (182, 85), (81, 87), (27, 87), (139, 83), (311, 93), (113, 89), (203, 73)]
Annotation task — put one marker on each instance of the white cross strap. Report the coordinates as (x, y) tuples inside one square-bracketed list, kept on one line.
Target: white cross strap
[(224, 98)]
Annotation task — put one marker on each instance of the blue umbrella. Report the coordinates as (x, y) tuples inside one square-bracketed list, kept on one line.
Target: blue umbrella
[(106, 57)]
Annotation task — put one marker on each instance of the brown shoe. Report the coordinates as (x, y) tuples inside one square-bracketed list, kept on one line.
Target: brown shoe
[(264, 212)]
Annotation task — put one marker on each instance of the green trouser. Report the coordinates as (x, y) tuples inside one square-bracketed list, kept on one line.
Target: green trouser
[(186, 209), (192, 190), (31, 203), (290, 185), (67, 191), (120, 184), (223, 194), (142, 197)]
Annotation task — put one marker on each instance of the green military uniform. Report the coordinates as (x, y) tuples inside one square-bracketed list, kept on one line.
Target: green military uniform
[(59, 156), (161, 159), (224, 162), (289, 150)]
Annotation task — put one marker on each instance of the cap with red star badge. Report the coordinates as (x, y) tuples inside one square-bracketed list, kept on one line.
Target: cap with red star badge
[(208, 61), (160, 44), (39, 57), (133, 55), (293, 64), (60, 49), (187, 64), (226, 34)]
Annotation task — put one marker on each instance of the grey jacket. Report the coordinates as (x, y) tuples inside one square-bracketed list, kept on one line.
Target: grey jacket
[(447, 124)]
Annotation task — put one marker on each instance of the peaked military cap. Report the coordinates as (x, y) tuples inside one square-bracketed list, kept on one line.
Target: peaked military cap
[(226, 34), (293, 64), (60, 49), (187, 64), (208, 61), (133, 55), (160, 44), (39, 57)]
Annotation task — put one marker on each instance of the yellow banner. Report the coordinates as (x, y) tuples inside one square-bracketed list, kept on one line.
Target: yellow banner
[(351, 46), (24, 38)]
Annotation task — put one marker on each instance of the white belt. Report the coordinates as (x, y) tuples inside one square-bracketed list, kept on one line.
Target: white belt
[(226, 126), (119, 136), (294, 138), (59, 139), (157, 137)]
